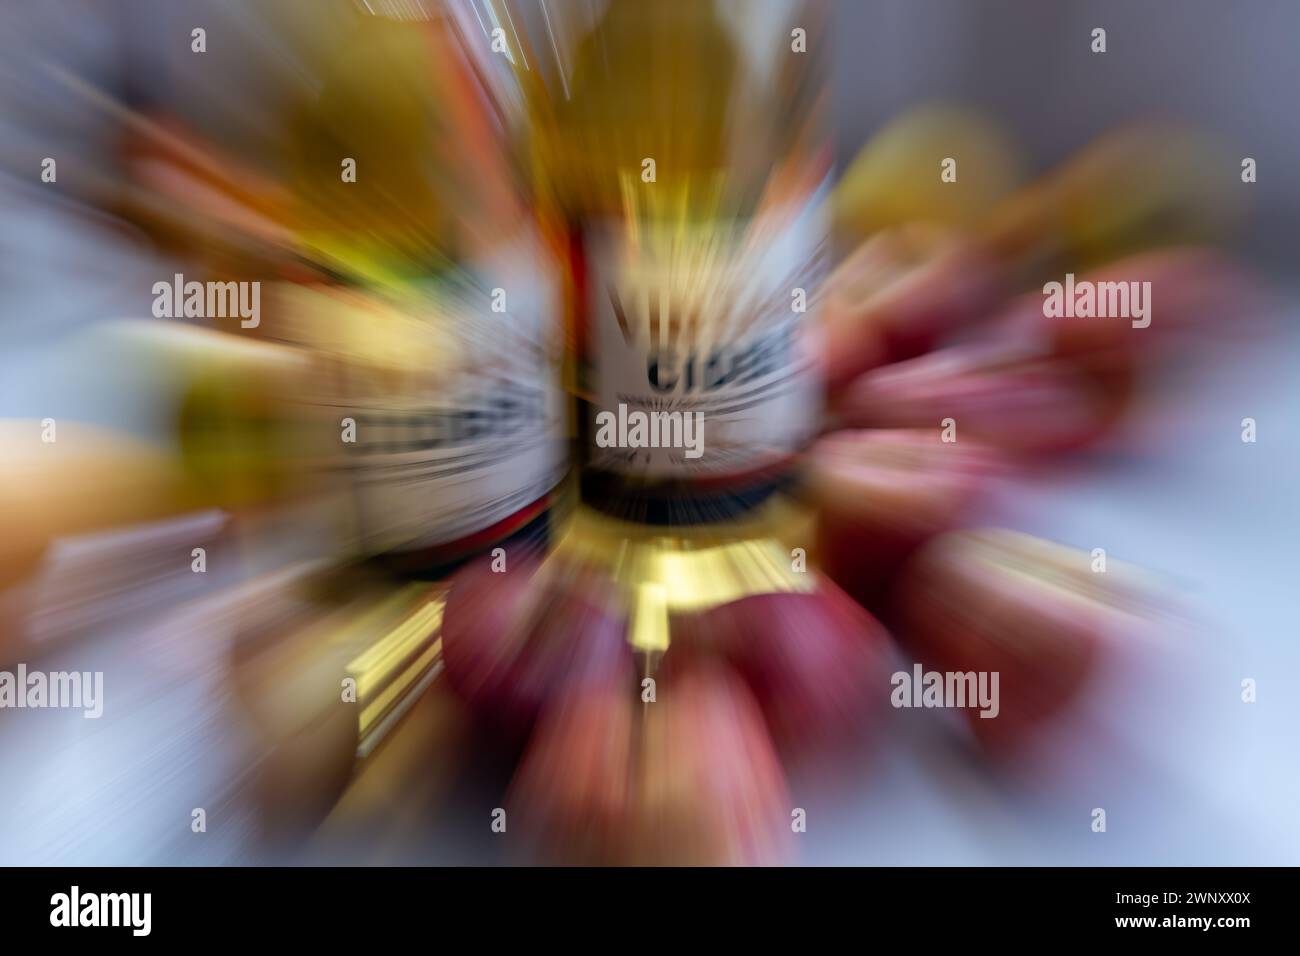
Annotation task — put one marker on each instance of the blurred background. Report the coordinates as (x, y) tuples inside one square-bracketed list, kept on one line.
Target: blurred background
[(1201, 62), (217, 682)]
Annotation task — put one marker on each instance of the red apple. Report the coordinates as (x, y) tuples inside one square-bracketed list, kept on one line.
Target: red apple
[(881, 493), (570, 800), (899, 294), (1033, 611), (484, 628), (691, 779), (813, 661), (1002, 394), (1196, 294), (709, 789), (513, 639)]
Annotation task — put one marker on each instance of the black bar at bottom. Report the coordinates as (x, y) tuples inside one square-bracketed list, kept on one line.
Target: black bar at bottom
[(361, 907)]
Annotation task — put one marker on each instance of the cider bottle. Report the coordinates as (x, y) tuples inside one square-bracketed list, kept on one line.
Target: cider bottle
[(691, 158), (438, 310)]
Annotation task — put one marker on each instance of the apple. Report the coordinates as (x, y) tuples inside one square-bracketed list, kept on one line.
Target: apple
[(1200, 305), (896, 179), (710, 789), (1140, 186), (88, 479), (1002, 394), (811, 660), (898, 294), (571, 796), (691, 779), (880, 493), (1195, 294), (484, 630), (515, 638), (1033, 611)]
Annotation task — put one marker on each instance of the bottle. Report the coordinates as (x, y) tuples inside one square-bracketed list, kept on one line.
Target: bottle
[(692, 170), (436, 305)]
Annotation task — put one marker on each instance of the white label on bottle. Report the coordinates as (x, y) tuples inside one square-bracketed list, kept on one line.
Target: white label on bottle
[(704, 319), (477, 435)]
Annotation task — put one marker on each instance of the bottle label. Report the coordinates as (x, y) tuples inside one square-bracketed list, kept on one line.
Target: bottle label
[(702, 362), (461, 424)]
